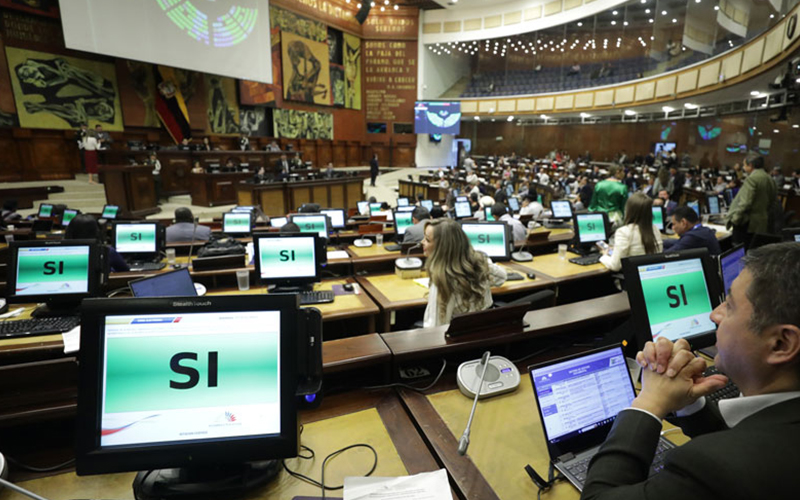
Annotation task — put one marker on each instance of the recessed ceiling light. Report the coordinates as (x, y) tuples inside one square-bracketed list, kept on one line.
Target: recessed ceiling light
[(667, 109), (775, 131), (630, 112), (585, 115), (795, 126), (477, 118), (689, 105), (755, 93)]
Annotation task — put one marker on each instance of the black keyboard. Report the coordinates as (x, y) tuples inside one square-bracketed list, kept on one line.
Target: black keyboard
[(38, 326), (318, 297), (729, 391), (579, 468), (392, 247), (512, 276), (586, 260), (146, 266)]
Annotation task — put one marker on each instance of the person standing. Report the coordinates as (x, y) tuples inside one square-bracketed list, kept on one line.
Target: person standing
[(154, 162), (751, 209), (90, 147), (103, 139), (373, 169), (244, 142), (610, 195)]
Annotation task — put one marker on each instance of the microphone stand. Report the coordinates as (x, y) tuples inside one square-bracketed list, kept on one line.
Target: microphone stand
[(463, 443), (191, 246)]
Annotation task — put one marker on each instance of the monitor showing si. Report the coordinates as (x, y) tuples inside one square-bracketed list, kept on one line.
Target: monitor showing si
[(288, 259), (402, 221), (312, 223), (491, 238), (590, 228)]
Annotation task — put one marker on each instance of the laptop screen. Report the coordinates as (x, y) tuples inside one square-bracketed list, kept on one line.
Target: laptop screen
[(677, 299), (713, 205), (582, 393), (561, 209), (175, 284), (731, 263), (658, 217)]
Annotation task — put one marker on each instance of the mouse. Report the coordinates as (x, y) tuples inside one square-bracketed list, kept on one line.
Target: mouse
[(348, 287), (531, 276)]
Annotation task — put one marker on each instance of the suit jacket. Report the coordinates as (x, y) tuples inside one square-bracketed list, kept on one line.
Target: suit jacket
[(758, 458), (415, 233), (700, 237), (373, 166), (754, 202), (182, 231)]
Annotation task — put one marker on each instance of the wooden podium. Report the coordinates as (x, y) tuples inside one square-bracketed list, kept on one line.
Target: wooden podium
[(131, 187)]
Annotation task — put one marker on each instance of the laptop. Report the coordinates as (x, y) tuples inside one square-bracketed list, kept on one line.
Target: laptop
[(173, 284), (578, 398)]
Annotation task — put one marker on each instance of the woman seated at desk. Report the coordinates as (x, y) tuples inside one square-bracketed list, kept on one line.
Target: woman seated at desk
[(460, 278), (637, 236)]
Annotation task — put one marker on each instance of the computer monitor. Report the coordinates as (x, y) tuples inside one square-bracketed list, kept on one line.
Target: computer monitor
[(375, 207), (203, 384), (312, 223), (731, 264), (45, 211), (590, 228), (694, 205), (463, 209), (67, 217), (672, 296), (58, 273), (407, 208), (402, 221), (791, 234), (513, 204), (658, 217), (110, 212), (713, 204), (491, 238), (337, 216), (487, 212), (402, 202), (173, 284), (427, 204), (278, 221), (462, 198), (244, 208), (138, 239), (363, 207), (237, 223), (288, 260), (561, 209)]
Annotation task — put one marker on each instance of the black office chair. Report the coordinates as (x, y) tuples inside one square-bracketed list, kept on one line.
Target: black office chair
[(535, 301)]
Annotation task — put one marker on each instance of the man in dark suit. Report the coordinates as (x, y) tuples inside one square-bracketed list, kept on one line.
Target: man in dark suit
[(676, 182), (282, 168), (373, 169), (692, 233), (743, 448)]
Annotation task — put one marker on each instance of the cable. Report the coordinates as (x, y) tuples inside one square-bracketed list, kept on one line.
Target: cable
[(321, 483), (31, 468), (411, 387)]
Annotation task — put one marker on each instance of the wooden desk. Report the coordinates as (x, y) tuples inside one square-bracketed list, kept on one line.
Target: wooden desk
[(286, 197), (131, 187), (562, 271), (393, 293), (505, 437), (210, 190)]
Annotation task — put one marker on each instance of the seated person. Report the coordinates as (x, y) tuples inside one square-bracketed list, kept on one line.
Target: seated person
[(485, 201), (329, 173), (693, 234), (416, 233), (10, 211), (437, 212), (85, 227), (637, 235), (184, 228), (460, 278), (500, 213), (297, 161), (663, 201), (530, 206), (197, 168), (289, 228), (737, 442)]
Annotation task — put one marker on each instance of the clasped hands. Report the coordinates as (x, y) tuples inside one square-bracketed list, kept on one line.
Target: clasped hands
[(672, 377)]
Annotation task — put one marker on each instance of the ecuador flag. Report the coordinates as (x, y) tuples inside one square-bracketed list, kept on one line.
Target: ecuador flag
[(170, 106)]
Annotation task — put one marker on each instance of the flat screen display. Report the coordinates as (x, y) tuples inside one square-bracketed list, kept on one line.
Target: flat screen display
[(337, 217), (694, 206), (677, 299), (135, 238), (236, 223), (109, 212), (285, 258), (437, 117), (56, 270), (658, 217), (402, 222), (278, 221), (402, 202), (175, 284), (363, 207), (487, 238), (184, 377), (591, 228), (513, 204), (463, 209), (561, 209), (45, 211), (731, 263), (312, 224), (374, 207), (68, 216), (427, 204), (487, 211), (713, 205), (664, 147), (220, 37)]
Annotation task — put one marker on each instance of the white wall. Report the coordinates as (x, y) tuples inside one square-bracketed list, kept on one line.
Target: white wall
[(430, 154), (437, 73)]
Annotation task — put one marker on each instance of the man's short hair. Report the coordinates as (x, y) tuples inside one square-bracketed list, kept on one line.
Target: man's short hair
[(420, 213), (289, 228), (437, 212), (755, 161), (613, 170), (498, 210), (474, 197), (685, 213), (183, 214), (774, 291), (309, 208)]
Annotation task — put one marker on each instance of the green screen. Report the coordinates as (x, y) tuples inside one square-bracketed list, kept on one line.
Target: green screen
[(52, 270), (138, 371), (45, 210), (237, 223), (136, 238), (487, 238), (287, 257), (110, 211), (403, 220), (67, 218), (678, 296), (311, 224), (658, 218), (591, 228)]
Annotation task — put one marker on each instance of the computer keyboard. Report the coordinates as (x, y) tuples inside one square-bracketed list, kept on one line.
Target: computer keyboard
[(728, 392), (586, 260), (316, 297), (146, 266), (512, 276), (579, 468), (392, 247), (37, 326)]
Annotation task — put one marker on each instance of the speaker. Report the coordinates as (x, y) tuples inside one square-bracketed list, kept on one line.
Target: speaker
[(362, 14)]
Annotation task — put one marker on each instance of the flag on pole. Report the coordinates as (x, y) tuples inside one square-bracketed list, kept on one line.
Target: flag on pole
[(170, 106)]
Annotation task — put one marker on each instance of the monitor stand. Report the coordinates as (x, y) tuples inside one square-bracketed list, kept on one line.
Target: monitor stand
[(201, 483), (51, 310)]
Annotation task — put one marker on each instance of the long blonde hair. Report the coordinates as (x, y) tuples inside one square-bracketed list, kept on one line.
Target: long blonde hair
[(639, 211), (455, 267)]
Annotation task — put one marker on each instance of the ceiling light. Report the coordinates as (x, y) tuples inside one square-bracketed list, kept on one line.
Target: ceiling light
[(674, 20), (358, 6), (755, 93), (775, 131), (585, 115), (625, 23), (510, 118), (614, 12), (580, 24), (772, 16), (630, 112), (545, 117), (646, 11), (667, 109), (650, 20), (663, 12), (716, 7), (795, 126), (372, 4), (477, 118), (689, 105), (613, 23)]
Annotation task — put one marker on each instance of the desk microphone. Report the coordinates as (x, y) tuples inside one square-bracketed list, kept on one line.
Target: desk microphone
[(191, 246), (463, 443)]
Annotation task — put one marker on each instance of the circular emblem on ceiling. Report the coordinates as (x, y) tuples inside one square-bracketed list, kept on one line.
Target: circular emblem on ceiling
[(791, 27), (215, 24)]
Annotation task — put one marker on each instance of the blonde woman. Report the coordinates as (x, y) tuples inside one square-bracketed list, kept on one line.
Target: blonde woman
[(637, 236), (460, 277)]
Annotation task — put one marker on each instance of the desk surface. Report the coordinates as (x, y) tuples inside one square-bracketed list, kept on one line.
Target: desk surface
[(562, 270)]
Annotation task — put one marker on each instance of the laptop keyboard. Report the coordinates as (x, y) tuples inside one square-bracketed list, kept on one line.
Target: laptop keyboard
[(316, 297), (729, 391), (38, 326), (579, 468)]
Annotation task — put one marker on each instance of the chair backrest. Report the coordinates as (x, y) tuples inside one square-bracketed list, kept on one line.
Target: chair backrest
[(370, 228)]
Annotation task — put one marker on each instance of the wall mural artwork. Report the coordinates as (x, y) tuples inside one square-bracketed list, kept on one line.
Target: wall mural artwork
[(352, 71), (139, 106), (253, 121), (263, 94), (306, 72), (8, 111), (293, 124), (223, 109), (337, 84), (289, 22), (60, 92)]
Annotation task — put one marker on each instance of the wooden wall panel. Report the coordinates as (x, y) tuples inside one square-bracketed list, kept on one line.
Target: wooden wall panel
[(324, 153), (354, 194), (402, 155), (338, 196), (339, 154), (10, 163), (309, 151), (354, 154), (299, 196)]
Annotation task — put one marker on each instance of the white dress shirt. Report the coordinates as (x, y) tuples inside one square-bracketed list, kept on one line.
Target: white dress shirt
[(627, 243)]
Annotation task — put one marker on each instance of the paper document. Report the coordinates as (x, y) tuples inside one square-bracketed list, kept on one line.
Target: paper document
[(72, 340), (426, 282), (423, 486), (337, 254)]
